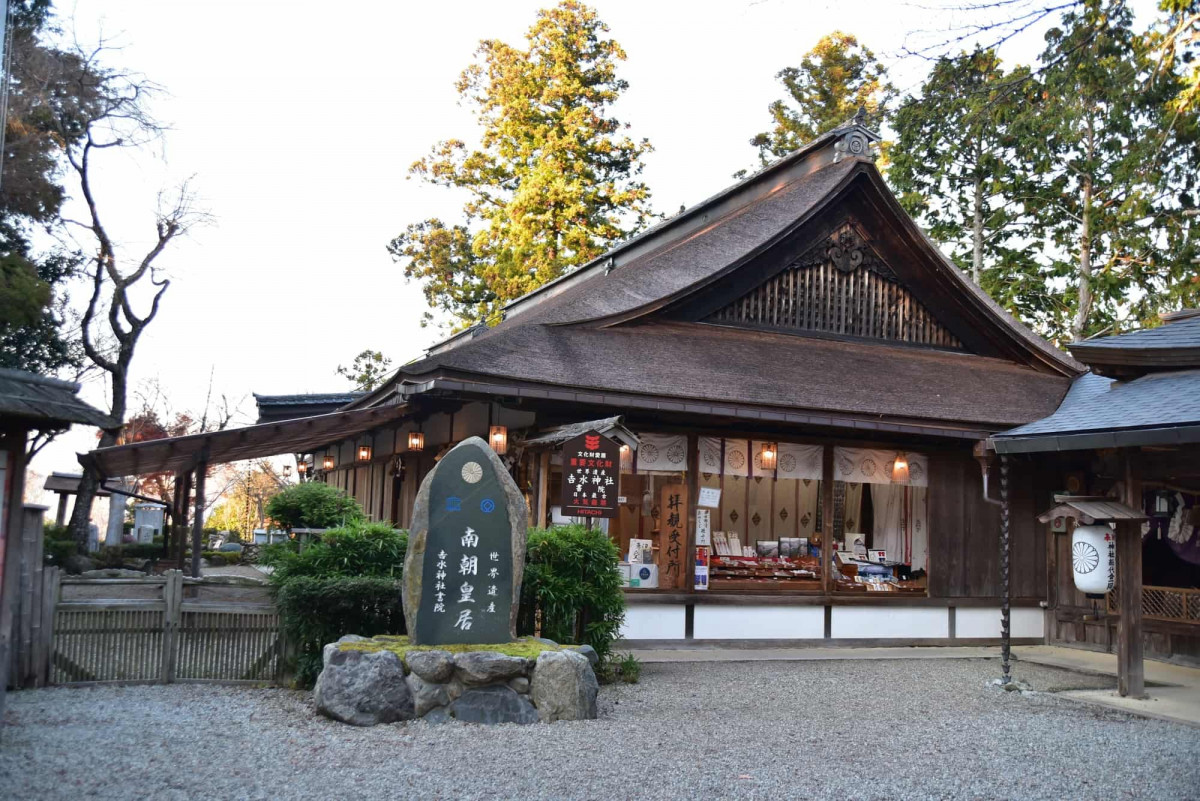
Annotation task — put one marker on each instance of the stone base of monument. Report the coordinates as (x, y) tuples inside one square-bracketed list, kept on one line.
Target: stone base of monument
[(384, 679)]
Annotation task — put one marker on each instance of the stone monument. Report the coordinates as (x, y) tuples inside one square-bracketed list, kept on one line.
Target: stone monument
[(466, 551), (462, 589)]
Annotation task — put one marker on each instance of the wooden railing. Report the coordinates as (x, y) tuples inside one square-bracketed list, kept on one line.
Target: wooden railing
[(1175, 604)]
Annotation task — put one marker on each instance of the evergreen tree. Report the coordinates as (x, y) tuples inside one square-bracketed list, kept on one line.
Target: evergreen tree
[(957, 165), (834, 79), (1113, 165), (553, 182), (45, 108), (367, 371)]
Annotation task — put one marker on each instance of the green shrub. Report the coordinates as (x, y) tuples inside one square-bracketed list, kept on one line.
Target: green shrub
[(53, 531), (313, 504), (57, 551), (221, 558), (316, 611), (362, 549), (629, 669), (571, 578), (117, 555)]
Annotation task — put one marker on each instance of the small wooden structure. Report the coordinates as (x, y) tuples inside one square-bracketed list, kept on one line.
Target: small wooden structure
[(1128, 431), (1131, 673), (66, 485), (28, 403)]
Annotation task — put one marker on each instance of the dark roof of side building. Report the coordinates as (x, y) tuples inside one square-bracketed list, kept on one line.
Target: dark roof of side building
[(1144, 389), (290, 407), (1175, 345), (1099, 412), (46, 402)]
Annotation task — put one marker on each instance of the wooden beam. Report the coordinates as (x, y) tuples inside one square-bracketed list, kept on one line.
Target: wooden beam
[(1131, 675)]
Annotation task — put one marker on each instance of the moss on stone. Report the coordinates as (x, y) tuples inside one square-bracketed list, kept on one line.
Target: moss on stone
[(526, 647)]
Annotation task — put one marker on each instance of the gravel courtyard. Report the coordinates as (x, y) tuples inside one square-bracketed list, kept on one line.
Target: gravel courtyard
[(838, 730)]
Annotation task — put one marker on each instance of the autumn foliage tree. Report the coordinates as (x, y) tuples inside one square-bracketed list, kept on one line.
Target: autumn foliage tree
[(551, 185)]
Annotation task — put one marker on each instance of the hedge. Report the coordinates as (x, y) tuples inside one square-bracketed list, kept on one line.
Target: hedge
[(316, 611)]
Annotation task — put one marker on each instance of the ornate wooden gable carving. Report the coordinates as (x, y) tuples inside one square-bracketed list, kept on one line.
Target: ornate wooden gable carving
[(839, 286)]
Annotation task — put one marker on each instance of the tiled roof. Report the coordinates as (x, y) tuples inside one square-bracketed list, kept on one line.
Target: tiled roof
[(1183, 333), (1098, 404), (322, 398)]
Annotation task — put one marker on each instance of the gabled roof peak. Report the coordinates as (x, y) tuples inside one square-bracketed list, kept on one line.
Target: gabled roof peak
[(851, 140)]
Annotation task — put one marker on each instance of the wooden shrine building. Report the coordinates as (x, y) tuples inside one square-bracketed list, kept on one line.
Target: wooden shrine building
[(792, 352)]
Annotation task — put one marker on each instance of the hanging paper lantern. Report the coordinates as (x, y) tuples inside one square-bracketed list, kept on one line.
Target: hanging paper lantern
[(1094, 559)]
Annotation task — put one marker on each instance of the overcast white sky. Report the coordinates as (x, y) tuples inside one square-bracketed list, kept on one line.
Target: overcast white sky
[(299, 121)]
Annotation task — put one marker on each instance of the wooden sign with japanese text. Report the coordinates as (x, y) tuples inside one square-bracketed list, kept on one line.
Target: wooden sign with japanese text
[(467, 575), (672, 536), (591, 484)]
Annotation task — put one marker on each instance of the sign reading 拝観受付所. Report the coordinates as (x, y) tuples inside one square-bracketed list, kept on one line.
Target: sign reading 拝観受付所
[(591, 476), (467, 573)]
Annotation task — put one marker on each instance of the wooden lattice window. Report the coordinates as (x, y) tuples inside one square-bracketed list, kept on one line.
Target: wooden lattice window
[(839, 286)]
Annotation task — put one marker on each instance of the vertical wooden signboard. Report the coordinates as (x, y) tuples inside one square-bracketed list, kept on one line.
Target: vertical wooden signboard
[(672, 537)]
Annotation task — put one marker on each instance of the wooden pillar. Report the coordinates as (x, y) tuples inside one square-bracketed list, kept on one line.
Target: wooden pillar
[(1131, 671), (827, 519), (185, 492), (198, 518), (543, 488), (60, 516), (13, 488), (693, 493)]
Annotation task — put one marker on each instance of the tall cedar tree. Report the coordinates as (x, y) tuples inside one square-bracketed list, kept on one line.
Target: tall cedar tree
[(957, 166), (553, 183), (41, 98), (1112, 165), (835, 79)]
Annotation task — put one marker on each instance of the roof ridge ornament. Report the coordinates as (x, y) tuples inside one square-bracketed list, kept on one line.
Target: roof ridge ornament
[(856, 139)]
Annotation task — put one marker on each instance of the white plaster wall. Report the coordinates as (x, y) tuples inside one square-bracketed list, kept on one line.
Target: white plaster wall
[(985, 622), (1028, 622), (653, 622), (759, 622), (982, 622), (891, 622)]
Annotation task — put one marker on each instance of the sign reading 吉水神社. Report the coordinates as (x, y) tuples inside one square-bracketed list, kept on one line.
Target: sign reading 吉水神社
[(591, 476), (466, 592)]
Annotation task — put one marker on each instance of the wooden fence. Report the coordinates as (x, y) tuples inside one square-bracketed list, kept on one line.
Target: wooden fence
[(156, 629)]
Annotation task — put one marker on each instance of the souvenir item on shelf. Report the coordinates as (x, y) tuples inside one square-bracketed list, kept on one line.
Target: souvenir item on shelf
[(768, 549)]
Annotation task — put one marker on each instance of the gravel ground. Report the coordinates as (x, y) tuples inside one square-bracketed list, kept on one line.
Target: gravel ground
[(838, 730)]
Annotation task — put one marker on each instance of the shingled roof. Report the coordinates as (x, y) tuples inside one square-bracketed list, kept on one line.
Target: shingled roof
[(46, 402), (727, 365), (622, 323)]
